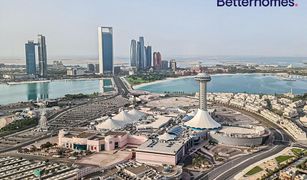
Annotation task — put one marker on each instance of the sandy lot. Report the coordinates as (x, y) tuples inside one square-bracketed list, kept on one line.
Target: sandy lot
[(174, 102), (104, 159)]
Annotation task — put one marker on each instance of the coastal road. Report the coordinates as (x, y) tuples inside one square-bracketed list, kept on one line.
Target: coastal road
[(231, 168)]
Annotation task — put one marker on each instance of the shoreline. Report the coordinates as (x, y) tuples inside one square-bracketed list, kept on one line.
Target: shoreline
[(135, 87), (48, 81), (27, 82)]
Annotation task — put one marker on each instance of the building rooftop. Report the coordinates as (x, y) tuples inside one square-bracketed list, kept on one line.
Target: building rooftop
[(243, 131), (162, 147), (97, 137), (158, 123), (137, 170), (115, 133), (85, 135)]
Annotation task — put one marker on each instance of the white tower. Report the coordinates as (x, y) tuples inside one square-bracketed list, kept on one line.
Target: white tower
[(203, 78), (202, 120)]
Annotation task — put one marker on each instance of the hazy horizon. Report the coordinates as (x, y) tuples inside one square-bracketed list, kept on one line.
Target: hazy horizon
[(176, 28), (182, 61)]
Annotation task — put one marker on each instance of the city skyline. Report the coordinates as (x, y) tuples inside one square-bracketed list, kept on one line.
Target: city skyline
[(140, 54), (153, 89), (227, 32)]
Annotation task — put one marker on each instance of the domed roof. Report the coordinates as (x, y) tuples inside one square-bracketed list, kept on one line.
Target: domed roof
[(202, 120)]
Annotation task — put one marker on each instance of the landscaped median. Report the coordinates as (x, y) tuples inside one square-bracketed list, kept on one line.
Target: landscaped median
[(281, 159), (253, 171), (267, 167)]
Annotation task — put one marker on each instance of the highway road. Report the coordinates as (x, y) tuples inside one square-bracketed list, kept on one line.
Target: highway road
[(229, 169), (122, 89)]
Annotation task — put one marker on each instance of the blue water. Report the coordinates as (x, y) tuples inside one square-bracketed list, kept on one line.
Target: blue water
[(249, 83), (50, 90)]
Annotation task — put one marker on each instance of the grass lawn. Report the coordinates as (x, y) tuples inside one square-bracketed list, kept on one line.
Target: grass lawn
[(254, 171), (281, 159), (137, 81), (297, 151)]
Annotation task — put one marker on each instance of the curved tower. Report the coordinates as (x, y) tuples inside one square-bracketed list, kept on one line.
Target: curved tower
[(133, 53), (42, 56)]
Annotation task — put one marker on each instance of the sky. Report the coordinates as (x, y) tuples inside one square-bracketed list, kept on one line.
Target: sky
[(173, 27)]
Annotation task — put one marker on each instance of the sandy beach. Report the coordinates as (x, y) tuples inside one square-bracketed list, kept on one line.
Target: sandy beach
[(159, 81)]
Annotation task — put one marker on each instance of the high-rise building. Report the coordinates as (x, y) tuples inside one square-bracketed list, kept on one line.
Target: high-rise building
[(133, 53), (142, 55), (105, 50), (173, 64), (30, 57), (42, 56), (157, 60), (138, 56), (164, 64), (148, 57)]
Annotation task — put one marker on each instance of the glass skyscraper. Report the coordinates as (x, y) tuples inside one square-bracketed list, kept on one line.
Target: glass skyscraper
[(105, 50), (30, 58), (148, 57), (138, 55), (42, 56), (142, 56), (133, 53)]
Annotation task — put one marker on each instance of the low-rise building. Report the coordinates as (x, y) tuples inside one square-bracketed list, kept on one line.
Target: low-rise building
[(163, 152), (75, 71), (290, 112), (303, 120), (96, 141)]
